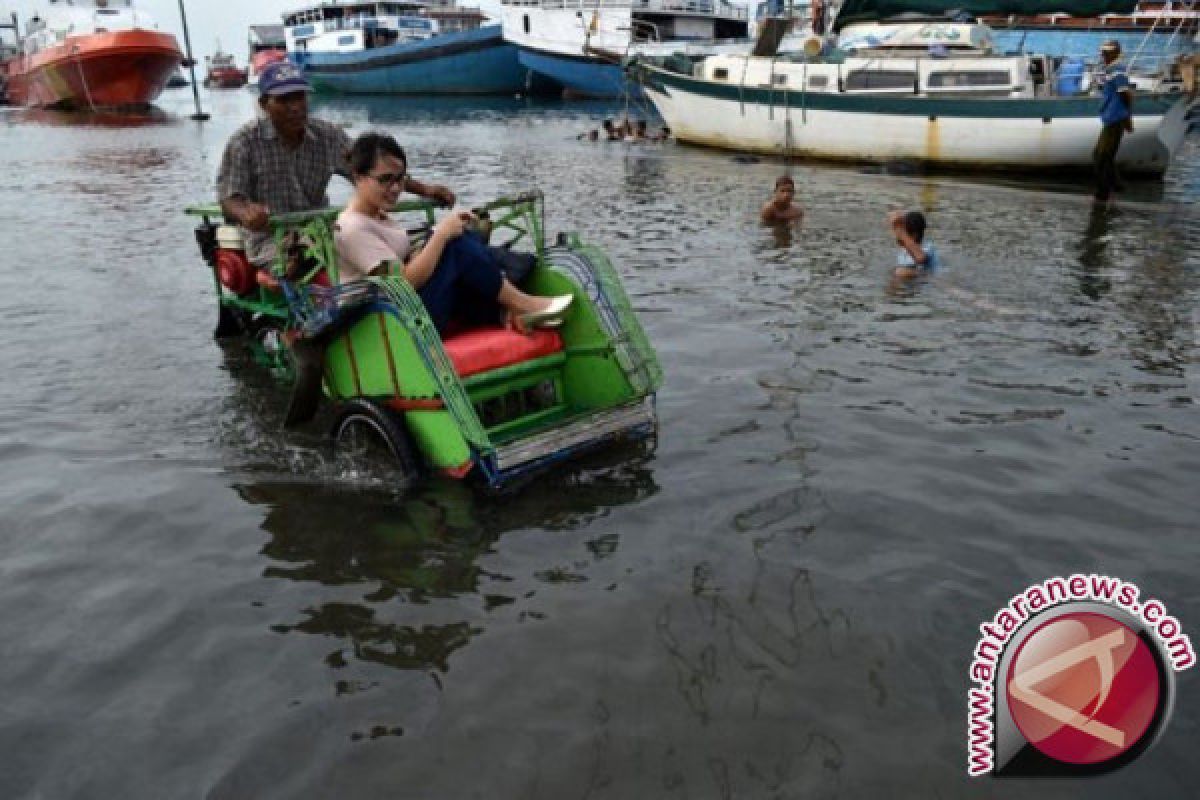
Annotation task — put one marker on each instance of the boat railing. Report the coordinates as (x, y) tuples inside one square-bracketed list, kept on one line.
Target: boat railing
[(720, 8), (365, 23)]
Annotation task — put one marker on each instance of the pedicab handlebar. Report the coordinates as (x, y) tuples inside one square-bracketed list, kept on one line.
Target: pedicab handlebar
[(297, 218)]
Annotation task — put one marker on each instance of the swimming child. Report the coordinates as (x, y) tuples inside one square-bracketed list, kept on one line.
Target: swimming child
[(913, 254), (781, 207)]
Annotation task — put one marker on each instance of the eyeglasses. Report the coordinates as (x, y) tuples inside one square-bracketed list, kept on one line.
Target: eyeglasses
[(391, 178)]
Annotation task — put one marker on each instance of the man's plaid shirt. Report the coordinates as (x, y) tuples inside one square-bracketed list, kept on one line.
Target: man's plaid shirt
[(258, 167)]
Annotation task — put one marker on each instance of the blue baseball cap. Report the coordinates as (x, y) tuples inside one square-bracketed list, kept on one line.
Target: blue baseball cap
[(282, 77)]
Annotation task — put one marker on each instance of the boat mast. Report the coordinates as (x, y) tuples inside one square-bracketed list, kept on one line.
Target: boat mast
[(199, 115)]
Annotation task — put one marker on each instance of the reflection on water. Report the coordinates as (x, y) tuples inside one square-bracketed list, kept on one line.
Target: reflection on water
[(428, 549), (777, 600), (91, 119), (379, 109)]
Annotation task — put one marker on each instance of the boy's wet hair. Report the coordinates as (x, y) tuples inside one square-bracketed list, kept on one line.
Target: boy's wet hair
[(785, 180), (914, 223)]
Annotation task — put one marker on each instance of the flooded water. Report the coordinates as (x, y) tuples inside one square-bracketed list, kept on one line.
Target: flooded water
[(779, 599)]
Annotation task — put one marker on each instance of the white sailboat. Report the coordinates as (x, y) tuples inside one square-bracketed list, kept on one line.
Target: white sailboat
[(929, 91)]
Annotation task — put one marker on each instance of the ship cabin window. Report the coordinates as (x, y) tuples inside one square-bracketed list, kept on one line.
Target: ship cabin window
[(720, 74), (867, 80), (818, 81), (969, 79), (526, 21), (345, 40), (779, 80)]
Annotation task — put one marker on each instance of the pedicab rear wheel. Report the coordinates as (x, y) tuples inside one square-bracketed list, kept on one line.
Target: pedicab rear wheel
[(373, 437)]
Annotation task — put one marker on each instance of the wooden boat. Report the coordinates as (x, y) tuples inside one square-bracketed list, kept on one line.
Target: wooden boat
[(92, 54), (408, 47)]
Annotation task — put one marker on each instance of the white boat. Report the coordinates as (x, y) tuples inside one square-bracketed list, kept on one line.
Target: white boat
[(580, 43), (931, 92)]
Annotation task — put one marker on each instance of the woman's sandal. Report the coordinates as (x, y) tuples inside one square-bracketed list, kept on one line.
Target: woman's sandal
[(549, 317)]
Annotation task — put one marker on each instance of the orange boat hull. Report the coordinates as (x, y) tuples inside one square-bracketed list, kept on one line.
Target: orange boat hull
[(120, 69)]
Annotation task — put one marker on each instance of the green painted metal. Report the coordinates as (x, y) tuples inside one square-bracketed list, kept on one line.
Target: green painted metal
[(506, 375), (632, 347)]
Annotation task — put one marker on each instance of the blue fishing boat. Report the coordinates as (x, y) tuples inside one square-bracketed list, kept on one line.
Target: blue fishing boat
[(409, 47)]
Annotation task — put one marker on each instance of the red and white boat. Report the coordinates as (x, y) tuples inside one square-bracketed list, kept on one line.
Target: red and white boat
[(91, 54), (223, 72)]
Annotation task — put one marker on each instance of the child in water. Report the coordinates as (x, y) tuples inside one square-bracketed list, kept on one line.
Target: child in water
[(781, 207), (913, 255)]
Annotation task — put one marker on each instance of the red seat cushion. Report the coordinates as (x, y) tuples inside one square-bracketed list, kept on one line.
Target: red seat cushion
[(483, 349)]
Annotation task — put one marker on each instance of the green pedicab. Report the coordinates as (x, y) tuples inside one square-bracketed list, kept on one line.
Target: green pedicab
[(489, 402)]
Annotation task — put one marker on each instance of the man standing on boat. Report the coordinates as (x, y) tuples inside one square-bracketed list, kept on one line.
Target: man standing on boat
[(1116, 115), (282, 162)]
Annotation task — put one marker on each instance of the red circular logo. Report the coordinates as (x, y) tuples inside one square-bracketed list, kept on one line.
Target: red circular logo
[(1083, 688)]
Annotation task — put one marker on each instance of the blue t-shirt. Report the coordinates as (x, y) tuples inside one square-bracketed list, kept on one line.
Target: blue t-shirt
[(905, 259), (1113, 108)]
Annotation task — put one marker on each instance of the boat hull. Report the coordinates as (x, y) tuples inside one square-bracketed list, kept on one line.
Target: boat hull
[(226, 78), (580, 75), (468, 62), (121, 69), (1020, 134)]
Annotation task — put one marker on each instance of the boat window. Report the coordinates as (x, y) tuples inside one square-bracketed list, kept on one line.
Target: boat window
[(818, 81), (720, 74), (107, 11), (861, 79), (968, 78), (342, 40), (779, 80), (526, 23)]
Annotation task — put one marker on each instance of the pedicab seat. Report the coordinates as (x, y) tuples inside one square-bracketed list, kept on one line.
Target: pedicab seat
[(485, 349)]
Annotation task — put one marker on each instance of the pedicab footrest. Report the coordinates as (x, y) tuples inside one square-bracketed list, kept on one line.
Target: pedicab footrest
[(486, 349), (581, 433)]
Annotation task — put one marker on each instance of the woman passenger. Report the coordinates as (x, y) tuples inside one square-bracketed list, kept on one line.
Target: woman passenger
[(454, 274)]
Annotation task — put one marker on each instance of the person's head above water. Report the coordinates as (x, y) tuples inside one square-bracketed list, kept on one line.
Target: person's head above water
[(785, 190), (914, 225), (283, 95)]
